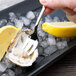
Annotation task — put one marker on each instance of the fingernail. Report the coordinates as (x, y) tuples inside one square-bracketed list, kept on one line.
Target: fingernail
[(43, 1)]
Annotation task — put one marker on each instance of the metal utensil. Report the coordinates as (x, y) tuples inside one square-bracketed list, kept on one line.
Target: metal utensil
[(34, 34), (32, 43)]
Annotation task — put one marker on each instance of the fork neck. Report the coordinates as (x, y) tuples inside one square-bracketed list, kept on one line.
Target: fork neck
[(40, 16)]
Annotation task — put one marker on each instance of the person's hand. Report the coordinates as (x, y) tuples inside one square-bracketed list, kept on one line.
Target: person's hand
[(69, 7)]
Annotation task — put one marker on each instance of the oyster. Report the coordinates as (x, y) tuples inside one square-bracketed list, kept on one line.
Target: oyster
[(23, 50)]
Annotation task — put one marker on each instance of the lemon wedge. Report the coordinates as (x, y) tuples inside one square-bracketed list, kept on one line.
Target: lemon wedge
[(60, 29), (7, 33)]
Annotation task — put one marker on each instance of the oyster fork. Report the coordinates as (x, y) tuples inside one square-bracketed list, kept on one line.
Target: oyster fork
[(32, 43)]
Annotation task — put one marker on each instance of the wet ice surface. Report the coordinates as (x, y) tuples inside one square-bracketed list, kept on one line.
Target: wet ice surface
[(30, 15), (48, 43)]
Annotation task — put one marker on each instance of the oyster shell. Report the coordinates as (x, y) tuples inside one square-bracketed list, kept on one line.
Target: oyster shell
[(19, 52)]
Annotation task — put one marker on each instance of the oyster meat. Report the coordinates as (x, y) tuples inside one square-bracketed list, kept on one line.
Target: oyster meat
[(23, 50)]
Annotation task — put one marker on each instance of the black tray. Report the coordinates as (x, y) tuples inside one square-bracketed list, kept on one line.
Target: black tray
[(42, 62)]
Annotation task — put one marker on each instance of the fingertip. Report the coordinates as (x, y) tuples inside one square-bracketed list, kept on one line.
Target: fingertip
[(48, 11), (43, 2)]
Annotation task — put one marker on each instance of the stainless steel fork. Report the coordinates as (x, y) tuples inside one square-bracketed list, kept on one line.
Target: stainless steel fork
[(33, 41)]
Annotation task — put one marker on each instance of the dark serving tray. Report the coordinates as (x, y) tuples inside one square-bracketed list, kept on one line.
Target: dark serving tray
[(41, 62)]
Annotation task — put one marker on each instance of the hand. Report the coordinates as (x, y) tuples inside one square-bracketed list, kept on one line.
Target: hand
[(69, 7)]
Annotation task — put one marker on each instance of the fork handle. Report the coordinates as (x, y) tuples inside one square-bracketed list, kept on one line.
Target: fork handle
[(40, 15)]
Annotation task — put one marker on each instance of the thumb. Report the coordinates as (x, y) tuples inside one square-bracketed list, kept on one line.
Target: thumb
[(55, 4)]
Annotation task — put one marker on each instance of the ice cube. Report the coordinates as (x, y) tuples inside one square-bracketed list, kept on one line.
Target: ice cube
[(65, 43), (3, 67), (40, 38), (49, 50), (26, 21), (10, 72), (51, 41), (5, 74), (56, 19), (12, 16), (44, 44), (41, 33), (18, 23), (30, 15), (8, 64), (5, 64), (3, 22), (48, 18), (32, 26), (62, 45)]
